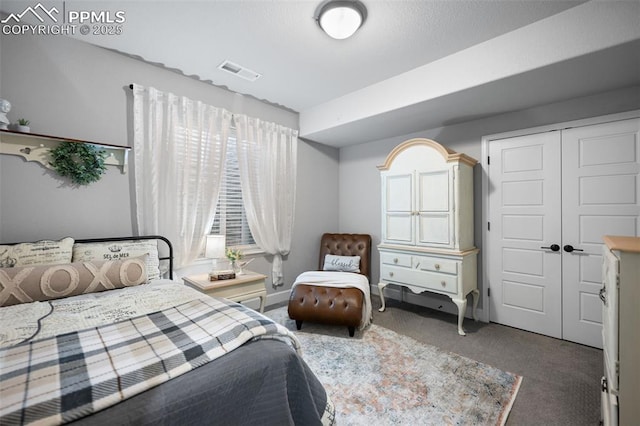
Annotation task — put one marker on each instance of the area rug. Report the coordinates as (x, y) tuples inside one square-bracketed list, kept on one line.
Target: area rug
[(380, 377)]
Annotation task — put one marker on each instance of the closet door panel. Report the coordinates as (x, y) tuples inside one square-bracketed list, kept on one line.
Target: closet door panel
[(601, 196), (524, 203)]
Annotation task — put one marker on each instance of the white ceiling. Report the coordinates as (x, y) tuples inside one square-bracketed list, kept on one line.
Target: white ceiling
[(303, 69)]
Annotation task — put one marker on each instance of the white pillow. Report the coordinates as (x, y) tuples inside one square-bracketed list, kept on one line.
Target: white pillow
[(342, 263), (44, 252), (120, 250)]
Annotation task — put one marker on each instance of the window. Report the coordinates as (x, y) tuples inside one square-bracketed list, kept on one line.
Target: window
[(231, 219)]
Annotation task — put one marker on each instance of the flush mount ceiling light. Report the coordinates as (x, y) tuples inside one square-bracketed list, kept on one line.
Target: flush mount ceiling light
[(341, 19)]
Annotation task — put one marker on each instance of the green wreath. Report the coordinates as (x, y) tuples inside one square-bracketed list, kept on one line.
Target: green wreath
[(82, 163)]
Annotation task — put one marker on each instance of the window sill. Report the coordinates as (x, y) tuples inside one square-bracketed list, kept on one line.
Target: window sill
[(249, 251)]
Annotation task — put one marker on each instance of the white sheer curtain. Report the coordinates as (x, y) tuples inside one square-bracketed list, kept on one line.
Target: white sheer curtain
[(267, 159), (179, 152)]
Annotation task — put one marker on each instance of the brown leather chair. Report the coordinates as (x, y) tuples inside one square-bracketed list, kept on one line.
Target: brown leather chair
[(331, 305)]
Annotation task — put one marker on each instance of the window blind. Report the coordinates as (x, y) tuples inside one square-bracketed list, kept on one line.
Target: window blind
[(230, 219)]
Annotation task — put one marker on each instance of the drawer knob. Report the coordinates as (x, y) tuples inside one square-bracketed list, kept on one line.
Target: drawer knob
[(437, 266), (443, 283), (395, 260), (390, 274)]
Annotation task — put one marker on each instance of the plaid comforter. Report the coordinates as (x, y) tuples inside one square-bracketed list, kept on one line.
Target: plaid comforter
[(63, 378)]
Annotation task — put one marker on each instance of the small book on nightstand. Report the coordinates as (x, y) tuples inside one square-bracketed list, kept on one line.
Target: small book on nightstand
[(221, 275)]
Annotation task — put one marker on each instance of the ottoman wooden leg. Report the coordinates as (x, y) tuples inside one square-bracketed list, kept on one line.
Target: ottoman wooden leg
[(352, 331), (298, 324)]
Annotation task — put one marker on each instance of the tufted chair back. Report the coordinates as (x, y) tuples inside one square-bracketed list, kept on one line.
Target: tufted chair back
[(347, 245)]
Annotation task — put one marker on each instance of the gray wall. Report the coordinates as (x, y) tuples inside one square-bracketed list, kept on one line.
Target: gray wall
[(72, 89), (360, 179)]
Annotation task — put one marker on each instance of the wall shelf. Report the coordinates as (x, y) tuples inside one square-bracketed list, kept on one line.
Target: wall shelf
[(36, 147)]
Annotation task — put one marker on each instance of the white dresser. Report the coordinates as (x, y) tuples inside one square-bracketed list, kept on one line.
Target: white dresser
[(427, 223), (620, 296)]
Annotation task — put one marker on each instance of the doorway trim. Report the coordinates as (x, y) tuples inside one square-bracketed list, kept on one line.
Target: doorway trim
[(484, 314)]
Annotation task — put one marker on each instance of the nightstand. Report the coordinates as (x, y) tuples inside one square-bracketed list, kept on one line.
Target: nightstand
[(244, 287)]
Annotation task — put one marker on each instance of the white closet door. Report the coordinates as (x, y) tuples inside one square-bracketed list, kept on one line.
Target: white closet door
[(601, 196), (524, 204)]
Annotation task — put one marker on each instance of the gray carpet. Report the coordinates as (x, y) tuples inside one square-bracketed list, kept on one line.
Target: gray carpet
[(561, 384)]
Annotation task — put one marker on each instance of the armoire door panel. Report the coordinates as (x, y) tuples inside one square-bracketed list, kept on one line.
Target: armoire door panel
[(399, 193), (434, 229), (399, 228), (434, 193)]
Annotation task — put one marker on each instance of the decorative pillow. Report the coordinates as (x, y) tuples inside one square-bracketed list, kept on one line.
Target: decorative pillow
[(120, 250), (341, 263), (44, 282), (45, 252)]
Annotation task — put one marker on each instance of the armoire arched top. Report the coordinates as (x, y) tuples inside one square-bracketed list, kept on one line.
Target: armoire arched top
[(448, 155)]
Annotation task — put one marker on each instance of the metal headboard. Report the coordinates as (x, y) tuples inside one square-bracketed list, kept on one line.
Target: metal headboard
[(142, 237)]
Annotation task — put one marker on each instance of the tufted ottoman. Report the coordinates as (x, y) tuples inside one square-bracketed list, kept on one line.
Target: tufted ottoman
[(331, 305)]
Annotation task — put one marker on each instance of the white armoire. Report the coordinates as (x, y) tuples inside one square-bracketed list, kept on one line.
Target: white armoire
[(427, 223)]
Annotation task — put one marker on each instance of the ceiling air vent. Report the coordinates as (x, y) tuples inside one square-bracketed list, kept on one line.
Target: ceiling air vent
[(239, 71)]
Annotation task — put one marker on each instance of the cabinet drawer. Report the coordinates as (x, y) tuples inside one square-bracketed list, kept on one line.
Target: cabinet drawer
[(397, 259), (412, 278), (435, 264)]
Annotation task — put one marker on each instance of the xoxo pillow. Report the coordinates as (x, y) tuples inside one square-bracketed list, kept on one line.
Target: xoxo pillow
[(45, 282)]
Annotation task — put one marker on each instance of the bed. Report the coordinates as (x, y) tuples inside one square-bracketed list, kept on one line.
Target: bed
[(153, 352)]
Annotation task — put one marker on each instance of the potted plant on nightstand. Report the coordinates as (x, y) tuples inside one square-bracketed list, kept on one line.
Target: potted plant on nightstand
[(234, 255)]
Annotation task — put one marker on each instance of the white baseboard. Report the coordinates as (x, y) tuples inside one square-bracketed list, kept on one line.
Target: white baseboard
[(272, 299)]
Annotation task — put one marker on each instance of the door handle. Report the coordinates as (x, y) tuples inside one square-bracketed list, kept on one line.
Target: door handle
[(552, 247), (569, 248)]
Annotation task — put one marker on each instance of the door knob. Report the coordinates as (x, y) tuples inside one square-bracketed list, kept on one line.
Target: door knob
[(569, 248), (552, 247)]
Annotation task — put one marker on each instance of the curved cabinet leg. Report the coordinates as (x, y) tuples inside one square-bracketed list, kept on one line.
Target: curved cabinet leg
[(476, 295), (462, 308), (381, 286)]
